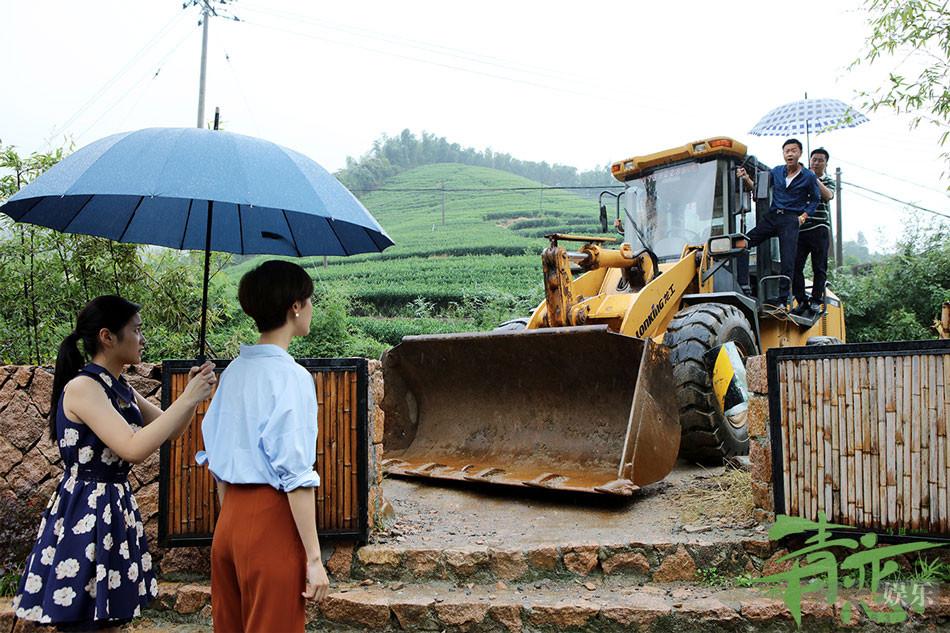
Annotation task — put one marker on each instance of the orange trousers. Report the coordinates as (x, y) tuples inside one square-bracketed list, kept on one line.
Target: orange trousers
[(258, 564)]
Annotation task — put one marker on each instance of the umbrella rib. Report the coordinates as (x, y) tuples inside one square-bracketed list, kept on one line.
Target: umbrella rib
[(184, 232), (78, 211), (241, 227), (131, 215), (291, 229), (35, 202), (346, 251)]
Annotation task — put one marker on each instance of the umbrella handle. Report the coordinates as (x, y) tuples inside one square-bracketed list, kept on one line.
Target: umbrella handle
[(202, 334)]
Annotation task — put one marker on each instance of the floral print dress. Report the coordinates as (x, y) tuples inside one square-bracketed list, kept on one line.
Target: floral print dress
[(90, 564)]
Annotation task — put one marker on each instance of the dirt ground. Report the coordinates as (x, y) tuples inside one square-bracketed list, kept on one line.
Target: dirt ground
[(448, 515)]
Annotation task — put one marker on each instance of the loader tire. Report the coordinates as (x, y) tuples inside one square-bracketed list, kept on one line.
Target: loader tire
[(707, 437)]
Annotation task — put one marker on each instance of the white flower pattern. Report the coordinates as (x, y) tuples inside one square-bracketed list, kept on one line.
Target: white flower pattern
[(67, 568), (70, 437), (85, 524), (64, 597), (62, 573), (108, 457), (33, 584), (85, 454)]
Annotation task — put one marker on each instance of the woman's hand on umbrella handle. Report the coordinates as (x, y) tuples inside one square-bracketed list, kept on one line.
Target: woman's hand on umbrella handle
[(201, 381)]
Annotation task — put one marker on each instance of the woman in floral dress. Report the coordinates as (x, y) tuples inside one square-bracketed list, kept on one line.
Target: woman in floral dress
[(90, 568)]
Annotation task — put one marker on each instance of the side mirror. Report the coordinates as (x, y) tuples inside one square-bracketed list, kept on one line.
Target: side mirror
[(603, 218)]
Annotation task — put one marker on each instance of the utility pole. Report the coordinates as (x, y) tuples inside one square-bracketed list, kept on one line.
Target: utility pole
[(839, 256), (443, 203), (205, 16), (207, 12)]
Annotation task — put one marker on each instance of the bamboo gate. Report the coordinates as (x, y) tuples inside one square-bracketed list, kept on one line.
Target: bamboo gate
[(859, 432), (188, 501)]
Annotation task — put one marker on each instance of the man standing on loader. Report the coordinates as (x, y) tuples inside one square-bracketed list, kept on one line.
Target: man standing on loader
[(795, 196), (814, 238)]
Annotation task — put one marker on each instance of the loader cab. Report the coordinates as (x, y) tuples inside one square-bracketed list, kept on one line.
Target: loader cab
[(688, 194)]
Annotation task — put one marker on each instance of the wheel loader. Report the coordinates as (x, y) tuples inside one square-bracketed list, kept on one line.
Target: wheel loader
[(611, 378)]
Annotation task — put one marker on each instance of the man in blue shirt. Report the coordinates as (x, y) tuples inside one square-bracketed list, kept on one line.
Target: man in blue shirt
[(795, 196)]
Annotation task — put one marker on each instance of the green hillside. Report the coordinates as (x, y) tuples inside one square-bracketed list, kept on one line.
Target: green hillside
[(479, 268)]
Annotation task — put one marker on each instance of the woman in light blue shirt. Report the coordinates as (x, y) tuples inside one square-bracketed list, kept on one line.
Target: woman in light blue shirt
[(260, 436)]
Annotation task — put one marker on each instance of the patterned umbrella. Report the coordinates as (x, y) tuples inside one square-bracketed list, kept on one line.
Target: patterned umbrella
[(807, 116)]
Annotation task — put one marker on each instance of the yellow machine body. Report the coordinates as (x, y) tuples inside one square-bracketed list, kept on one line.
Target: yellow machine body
[(583, 398)]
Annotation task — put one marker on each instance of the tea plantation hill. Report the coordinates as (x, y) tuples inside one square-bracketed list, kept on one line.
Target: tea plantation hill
[(478, 269)]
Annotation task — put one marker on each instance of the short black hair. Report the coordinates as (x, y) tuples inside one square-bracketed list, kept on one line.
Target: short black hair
[(821, 150), (268, 291), (793, 141)]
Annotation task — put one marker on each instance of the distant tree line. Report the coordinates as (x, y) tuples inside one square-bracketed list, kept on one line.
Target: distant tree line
[(391, 155)]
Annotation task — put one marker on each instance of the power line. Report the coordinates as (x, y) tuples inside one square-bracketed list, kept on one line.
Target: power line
[(93, 99), (892, 176), (128, 92), (903, 202), (418, 44), (482, 189)]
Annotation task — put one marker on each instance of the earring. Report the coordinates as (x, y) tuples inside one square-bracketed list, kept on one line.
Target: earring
[(296, 315)]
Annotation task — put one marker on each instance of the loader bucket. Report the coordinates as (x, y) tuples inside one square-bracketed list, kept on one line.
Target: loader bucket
[(574, 408)]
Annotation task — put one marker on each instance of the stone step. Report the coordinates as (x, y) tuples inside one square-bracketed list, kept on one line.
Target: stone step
[(607, 604), (602, 604), (656, 562)]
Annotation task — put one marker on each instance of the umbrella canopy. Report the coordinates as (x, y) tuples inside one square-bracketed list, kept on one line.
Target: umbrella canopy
[(808, 116), (156, 186), (196, 189)]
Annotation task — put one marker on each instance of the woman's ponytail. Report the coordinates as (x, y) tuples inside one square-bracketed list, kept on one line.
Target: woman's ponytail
[(108, 311), (69, 361)]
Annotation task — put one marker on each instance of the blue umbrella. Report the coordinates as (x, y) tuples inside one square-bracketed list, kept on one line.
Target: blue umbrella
[(196, 189)]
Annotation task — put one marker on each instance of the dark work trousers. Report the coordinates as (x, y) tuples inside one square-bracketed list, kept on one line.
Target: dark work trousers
[(784, 226), (812, 242)]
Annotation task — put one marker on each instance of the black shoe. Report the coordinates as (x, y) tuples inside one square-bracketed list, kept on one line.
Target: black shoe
[(801, 308), (817, 307), (777, 302)]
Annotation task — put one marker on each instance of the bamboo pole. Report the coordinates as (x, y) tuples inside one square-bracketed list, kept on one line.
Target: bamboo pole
[(806, 441), (835, 474), (890, 447), (797, 428), (942, 453), (321, 450), (932, 408), (886, 388), (847, 443), (789, 385), (922, 428), (873, 429), (333, 489), (828, 439)]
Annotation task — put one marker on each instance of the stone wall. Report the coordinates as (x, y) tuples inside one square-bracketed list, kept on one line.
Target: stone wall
[(30, 466), (760, 446)]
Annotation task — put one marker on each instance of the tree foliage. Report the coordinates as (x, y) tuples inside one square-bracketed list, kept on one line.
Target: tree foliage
[(915, 36), (392, 155), (899, 297)]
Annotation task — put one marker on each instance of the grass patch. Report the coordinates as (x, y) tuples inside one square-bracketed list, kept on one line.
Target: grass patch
[(8, 584), (726, 497)]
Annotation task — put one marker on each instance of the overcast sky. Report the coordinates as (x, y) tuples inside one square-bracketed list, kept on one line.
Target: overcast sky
[(575, 83)]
